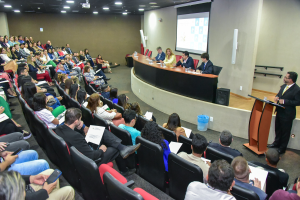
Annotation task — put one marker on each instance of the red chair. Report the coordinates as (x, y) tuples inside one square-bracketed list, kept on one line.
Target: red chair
[(142, 49), (145, 194), (149, 54), (108, 168), (146, 52), (196, 63), (43, 46), (178, 58)]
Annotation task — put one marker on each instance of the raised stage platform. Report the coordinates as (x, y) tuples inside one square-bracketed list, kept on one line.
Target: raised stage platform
[(234, 117)]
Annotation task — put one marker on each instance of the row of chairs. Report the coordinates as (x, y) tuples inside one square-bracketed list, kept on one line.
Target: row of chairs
[(148, 53)]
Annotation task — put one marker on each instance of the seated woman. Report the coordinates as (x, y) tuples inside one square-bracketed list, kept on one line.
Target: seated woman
[(8, 52), (175, 125), (100, 61), (73, 91), (26, 48), (30, 48), (61, 78), (136, 107), (36, 48), (68, 84), (52, 56), (39, 46), (6, 43), (14, 55), (82, 96), (46, 58), (152, 133), (82, 56), (88, 57), (90, 77), (4, 55), (60, 53), (170, 57), (9, 125), (17, 40), (63, 49), (95, 105), (11, 41), (33, 67), (122, 101), (113, 95)]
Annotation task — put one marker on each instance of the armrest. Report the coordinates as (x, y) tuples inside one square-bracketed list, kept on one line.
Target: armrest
[(129, 183)]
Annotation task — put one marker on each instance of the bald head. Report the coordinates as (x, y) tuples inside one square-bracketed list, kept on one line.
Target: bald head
[(240, 168)]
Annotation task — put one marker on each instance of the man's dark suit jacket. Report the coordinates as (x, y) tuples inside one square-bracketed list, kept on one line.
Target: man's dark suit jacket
[(283, 177), (291, 100), (189, 63), (208, 67), (41, 194), (48, 46), (226, 150), (73, 138)]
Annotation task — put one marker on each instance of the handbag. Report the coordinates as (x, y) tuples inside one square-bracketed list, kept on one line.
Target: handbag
[(12, 65)]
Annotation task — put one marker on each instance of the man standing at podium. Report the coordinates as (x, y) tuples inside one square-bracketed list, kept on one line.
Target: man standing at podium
[(289, 97)]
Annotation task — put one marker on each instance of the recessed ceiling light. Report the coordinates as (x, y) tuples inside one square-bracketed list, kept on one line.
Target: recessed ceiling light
[(154, 6), (141, 9), (95, 12), (118, 3), (75, 10), (66, 7), (17, 11), (124, 13), (7, 6), (105, 8), (63, 11), (39, 8), (126, 10), (142, 6), (152, 3), (70, 1)]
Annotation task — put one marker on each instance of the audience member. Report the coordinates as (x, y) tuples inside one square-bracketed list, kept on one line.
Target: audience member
[(220, 180), (11, 41), (199, 145), (20, 39), (28, 90), (100, 61), (130, 120), (105, 91), (30, 48), (15, 55), (68, 49), (123, 101), (22, 51), (113, 95), (68, 84), (186, 61), (241, 173), (13, 142), (287, 195), (174, 124), (47, 59), (12, 186), (17, 40), (109, 149), (224, 146), (26, 48), (135, 106), (73, 91), (33, 67), (49, 45), (61, 80), (152, 133), (88, 57), (81, 96), (90, 77), (4, 55)]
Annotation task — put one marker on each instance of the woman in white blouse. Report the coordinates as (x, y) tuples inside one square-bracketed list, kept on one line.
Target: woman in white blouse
[(96, 106), (4, 55), (26, 48), (46, 59)]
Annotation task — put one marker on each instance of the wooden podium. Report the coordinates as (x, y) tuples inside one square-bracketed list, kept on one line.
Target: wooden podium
[(259, 125)]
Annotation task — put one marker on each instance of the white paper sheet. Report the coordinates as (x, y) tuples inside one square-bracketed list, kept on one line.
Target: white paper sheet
[(61, 117), (40, 72), (175, 146), (105, 107), (260, 174), (204, 159), (148, 115), (41, 82), (187, 132), (3, 117), (4, 81), (94, 135), (97, 71)]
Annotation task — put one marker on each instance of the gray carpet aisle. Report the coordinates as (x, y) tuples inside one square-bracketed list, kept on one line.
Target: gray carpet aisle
[(120, 78)]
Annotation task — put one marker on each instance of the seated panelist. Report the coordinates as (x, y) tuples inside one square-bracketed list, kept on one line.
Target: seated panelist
[(206, 66), (161, 55), (186, 61), (170, 57)]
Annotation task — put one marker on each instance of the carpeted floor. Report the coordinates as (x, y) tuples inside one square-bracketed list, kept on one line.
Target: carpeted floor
[(120, 78)]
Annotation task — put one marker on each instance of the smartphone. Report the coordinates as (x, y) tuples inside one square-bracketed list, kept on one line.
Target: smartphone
[(17, 152), (54, 176)]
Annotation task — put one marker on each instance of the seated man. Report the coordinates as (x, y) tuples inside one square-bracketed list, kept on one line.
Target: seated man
[(48, 45), (186, 61), (66, 67), (130, 120), (224, 146), (287, 195), (161, 55), (272, 159), (105, 91), (22, 51), (68, 49), (241, 174), (199, 144), (206, 66), (21, 39), (110, 149), (220, 181)]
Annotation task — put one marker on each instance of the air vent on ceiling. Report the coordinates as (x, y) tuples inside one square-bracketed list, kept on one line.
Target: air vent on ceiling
[(29, 11)]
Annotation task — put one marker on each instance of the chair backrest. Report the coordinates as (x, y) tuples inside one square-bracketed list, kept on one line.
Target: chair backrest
[(243, 194), (213, 154), (29, 115), (217, 70), (74, 104), (146, 52), (122, 134), (169, 135), (186, 144), (117, 190), (196, 63), (108, 102), (120, 109), (181, 174), (92, 89), (87, 117), (178, 57), (149, 54), (98, 121), (67, 100), (33, 75), (66, 165), (140, 122), (90, 181), (151, 163)]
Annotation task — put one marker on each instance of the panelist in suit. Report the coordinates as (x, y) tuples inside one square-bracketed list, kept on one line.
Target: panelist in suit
[(206, 66), (289, 97), (224, 146), (161, 55), (186, 61)]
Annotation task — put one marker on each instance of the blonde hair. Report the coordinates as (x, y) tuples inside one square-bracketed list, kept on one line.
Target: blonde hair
[(29, 60), (171, 53), (12, 185)]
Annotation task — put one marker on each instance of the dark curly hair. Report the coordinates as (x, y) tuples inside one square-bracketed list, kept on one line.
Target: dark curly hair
[(152, 133)]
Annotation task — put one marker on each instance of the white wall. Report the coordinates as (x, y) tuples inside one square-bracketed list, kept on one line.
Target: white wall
[(3, 24)]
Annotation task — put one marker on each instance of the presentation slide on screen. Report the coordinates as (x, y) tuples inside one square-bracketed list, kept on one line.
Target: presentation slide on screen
[(192, 32)]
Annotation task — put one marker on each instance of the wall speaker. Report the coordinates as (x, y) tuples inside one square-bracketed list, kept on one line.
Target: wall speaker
[(234, 45), (223, 95)]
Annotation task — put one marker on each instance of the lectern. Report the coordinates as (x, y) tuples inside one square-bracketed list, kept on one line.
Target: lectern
[(259, 125)]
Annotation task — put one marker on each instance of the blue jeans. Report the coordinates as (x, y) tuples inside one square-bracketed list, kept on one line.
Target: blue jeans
[(101, 73), (28, 163)]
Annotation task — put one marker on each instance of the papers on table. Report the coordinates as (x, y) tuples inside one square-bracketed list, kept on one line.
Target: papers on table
[(175, 146), (3, 117), (94, 135), (148, 115), (41, 82), (260, 174), (61, 117), (187, 132)]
